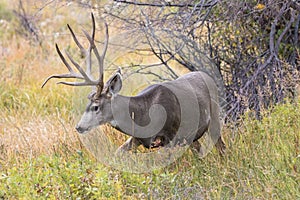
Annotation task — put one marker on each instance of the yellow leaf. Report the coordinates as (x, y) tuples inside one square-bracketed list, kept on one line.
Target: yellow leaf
[(260, 6)]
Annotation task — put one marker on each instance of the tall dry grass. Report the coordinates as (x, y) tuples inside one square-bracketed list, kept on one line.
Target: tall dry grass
[(34, 121), (37, 121)]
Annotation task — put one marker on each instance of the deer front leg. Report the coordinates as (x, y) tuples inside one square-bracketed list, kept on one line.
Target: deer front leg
[(128, 145)]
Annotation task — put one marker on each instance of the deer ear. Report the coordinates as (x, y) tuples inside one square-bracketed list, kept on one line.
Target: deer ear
[(114, 84)]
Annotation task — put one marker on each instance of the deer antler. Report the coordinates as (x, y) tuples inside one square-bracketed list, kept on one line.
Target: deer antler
[(86, 76)]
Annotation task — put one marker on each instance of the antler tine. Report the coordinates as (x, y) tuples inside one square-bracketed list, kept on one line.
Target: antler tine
[(105, 47), (91, 46), (99, 57), (86, 53), (72, 74), (82, 50), (88, 81), (61, 76), (82, 72), (76, 83), (63, 59)]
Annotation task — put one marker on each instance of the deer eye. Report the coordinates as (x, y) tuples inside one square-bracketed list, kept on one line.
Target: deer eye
[(95, 108)]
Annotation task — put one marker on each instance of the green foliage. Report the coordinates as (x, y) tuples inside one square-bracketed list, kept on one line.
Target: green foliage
[(262, 161), (18, 98), (5, 13)]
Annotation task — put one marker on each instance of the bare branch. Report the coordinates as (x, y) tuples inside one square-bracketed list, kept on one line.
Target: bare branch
[(167, 4)]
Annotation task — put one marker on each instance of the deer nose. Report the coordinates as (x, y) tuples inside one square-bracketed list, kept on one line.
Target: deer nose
[(79, 129)]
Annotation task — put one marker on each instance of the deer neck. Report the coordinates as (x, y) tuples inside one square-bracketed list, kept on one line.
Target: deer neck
[(122, 118)]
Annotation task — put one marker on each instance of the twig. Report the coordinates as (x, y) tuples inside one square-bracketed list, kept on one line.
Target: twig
[(167, 4)]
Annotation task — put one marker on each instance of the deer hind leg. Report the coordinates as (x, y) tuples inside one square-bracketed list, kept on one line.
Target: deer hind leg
[(128, 145), (214, 129), (215, 136), (220, 145), (196, 146)]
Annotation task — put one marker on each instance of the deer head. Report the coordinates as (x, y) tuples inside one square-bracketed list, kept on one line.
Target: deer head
[(98, 110)]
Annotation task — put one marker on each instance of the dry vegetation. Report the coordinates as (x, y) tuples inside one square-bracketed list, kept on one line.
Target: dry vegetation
[(41, 155), (33, 121)]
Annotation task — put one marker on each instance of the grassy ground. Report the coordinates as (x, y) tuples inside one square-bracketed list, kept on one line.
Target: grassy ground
[(262, 162), (41, 155)]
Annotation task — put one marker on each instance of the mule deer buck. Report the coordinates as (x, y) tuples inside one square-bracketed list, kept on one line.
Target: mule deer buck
[(174, 112)]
